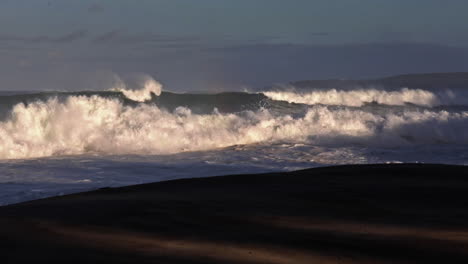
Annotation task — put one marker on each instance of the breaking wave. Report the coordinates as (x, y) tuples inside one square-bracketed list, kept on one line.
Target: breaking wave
[(83, 124), (138, 88), (359, 97)]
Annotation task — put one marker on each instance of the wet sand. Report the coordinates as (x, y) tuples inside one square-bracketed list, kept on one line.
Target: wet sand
[(405, 213)]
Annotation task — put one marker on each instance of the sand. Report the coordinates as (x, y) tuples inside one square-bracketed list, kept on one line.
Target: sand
[(405, 213)]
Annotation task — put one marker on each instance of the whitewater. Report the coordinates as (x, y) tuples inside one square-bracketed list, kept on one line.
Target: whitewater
[(54, 143)]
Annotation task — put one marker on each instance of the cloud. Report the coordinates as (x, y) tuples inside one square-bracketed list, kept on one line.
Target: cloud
[(119, 37), (225, 66), (17, 38), (72, 36), (114, 37), (319, 34), (69, 37), (54, 54), (270, 63), (108, 36), (24, 63), (96, 8)]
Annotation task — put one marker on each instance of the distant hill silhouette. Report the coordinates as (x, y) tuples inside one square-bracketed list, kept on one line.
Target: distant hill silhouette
[(423, 81)]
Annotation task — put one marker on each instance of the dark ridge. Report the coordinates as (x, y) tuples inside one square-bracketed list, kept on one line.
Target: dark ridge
[(406, 213)]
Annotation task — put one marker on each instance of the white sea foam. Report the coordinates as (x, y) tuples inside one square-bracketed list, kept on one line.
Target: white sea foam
[(81, 125), (359, 97), (138, 87)]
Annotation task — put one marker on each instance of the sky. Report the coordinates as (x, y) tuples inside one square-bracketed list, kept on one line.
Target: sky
[(219, 45)]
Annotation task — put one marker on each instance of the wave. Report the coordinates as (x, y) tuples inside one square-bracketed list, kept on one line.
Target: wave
[(80, 124), (138, 88), (360, 97)]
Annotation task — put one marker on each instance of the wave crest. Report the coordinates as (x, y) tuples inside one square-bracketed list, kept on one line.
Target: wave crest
[(81, 125), (357, 97), (139, 87)]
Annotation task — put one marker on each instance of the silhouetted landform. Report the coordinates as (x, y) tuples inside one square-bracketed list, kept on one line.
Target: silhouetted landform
[(416, 81), (405, 213)]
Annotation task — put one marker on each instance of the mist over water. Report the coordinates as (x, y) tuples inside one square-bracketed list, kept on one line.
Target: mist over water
[(86, 140)]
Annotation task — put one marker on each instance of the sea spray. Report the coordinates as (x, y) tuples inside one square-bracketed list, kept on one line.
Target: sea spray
[(138, 87), (53, 143), (93, 124), (359, 97)]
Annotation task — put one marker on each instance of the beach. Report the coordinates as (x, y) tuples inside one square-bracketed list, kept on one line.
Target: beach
[(392, 213)]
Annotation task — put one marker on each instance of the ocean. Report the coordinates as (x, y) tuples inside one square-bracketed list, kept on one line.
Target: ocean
[(56, 143)]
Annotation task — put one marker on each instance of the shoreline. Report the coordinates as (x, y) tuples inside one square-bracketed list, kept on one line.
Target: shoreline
[(383, 213)]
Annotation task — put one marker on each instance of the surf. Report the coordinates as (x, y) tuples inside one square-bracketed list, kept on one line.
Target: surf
[(94, 124), (359, 97)]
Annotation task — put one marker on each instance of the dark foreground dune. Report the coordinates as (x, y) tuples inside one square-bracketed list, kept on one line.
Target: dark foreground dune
[(349, 214)]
